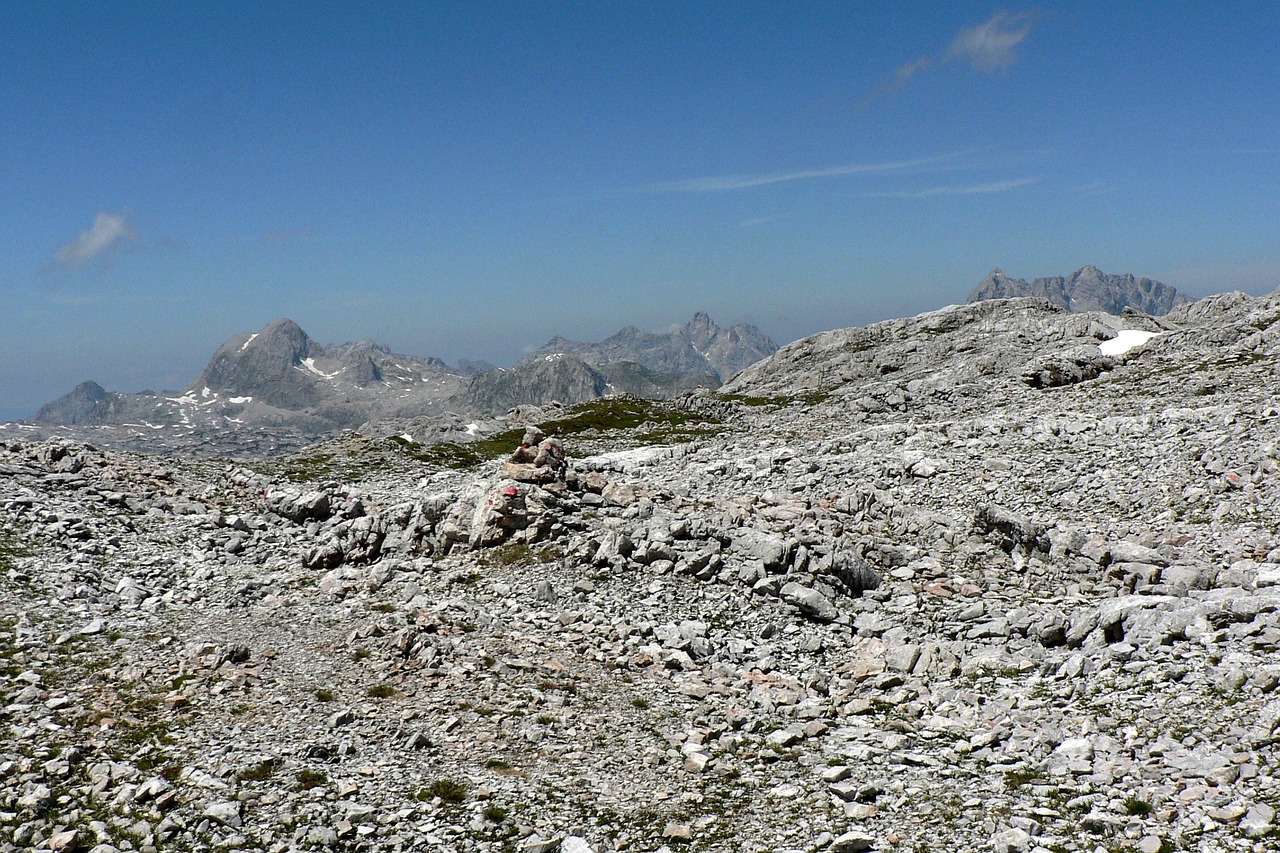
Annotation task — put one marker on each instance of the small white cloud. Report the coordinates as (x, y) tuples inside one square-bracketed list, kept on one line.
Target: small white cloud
[(108, 232), (988, 46)]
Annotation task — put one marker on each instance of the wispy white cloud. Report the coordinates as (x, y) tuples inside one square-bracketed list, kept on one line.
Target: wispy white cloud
[(970, 189), (989, 46), (108, 232), (723, 183)]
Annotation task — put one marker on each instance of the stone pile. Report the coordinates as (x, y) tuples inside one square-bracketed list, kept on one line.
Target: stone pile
[(914, 603)]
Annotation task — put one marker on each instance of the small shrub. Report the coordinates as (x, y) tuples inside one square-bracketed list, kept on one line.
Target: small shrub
[(497, 814), (261, 771), (497, 764), (1136, 807), (324, 694), (381, 691), (1022, 776), (447, 790), (308, 779), (642, 704)]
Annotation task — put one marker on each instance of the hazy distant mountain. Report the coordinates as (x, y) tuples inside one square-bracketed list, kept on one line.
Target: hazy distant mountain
[(567, 379), (87, 403), (534, 381), (699, 347), (1086, 289), (276, 387), (276, 379)]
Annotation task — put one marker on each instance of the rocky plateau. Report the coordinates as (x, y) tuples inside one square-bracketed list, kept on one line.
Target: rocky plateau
[(996, 577)]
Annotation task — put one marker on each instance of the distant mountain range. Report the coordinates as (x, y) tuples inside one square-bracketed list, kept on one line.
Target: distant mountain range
[(279, 379), (277, 389), (1086, 289)]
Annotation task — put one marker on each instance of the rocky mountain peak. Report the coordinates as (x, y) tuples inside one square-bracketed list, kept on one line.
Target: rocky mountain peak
[(81, 405), (1086, 289), (263, 366), (699, 348), (701, 327)]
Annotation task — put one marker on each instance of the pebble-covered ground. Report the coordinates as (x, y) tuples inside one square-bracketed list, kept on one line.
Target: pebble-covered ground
[(956, 582)]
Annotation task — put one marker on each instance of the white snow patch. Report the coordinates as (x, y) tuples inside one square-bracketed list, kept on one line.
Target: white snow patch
[(241, 400), (406, 437), (555, 356), (310, 364), (1125, 340), (473, 428), (625, 460), (244, 346)]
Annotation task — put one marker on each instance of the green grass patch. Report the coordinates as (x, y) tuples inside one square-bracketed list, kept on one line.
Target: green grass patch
[(447, 790), (640, 420), (11, 548), (507, 554)]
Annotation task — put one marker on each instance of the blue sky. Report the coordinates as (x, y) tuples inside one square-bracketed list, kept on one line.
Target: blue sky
[(469, 179)]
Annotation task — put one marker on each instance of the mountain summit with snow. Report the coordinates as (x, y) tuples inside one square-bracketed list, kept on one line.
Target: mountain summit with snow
[(276, 388)]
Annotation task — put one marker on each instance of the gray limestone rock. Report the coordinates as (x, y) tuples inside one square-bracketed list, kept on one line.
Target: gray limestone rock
[(810, 602)]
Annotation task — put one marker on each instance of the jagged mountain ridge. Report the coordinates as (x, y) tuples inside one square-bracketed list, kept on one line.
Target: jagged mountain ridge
[(278, 388), (1086, 289), (697, 347)]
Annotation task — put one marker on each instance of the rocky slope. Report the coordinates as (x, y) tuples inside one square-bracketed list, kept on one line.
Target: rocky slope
[(1086, 289), (983, 579)]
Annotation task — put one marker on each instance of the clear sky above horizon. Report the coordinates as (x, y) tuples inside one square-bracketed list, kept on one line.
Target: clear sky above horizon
[(468, 179)]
